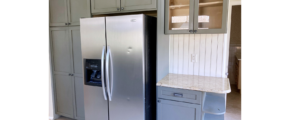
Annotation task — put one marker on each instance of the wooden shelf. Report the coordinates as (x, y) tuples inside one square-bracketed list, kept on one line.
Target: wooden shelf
[(214, 104), (213, 117), (210, 3), (177, 6), (200, 4)]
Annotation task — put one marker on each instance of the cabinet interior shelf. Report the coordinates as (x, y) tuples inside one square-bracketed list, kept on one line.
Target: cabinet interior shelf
[(200, 4), (213, 117), (177, 6), (214, 104), (210, 3)]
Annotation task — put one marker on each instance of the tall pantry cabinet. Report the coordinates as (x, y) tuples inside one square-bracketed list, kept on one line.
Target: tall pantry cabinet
[(66, 58)]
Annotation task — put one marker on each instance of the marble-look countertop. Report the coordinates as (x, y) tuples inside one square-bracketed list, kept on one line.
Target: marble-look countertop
[(198, 83)]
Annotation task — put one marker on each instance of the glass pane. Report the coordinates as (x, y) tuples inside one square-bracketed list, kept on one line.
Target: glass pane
[(178, 14), (210, 14)]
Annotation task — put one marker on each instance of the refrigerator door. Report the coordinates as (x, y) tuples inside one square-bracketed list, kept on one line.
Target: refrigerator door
[(93, 42), (125, 41)]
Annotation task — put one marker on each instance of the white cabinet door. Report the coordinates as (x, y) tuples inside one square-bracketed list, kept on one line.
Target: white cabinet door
[(79, 98), (77, 51), (58, 11), (64, 95), (78, 9), (61, 50), (138, 5), (105, 6)]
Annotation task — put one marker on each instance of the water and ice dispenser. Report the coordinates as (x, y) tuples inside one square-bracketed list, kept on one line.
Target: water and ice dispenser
[(93, 72)]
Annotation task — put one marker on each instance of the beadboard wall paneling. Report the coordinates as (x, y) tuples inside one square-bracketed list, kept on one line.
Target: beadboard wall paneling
[(197, 54)]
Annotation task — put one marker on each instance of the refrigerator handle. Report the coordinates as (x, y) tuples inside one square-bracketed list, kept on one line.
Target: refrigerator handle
[(111, 74), (110, 91), (102, 73)]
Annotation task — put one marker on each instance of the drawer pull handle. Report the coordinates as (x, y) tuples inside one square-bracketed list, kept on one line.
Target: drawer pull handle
[(178, 94)]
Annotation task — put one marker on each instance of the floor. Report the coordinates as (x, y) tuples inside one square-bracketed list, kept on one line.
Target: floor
[(63, 118), (233, 104)]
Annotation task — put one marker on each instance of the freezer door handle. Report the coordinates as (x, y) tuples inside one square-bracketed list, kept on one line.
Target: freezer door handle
[(109, 73), (102, 73)]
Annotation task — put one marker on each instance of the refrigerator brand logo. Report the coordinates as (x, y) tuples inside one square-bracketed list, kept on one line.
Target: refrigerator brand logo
[(129, 50), (133, 20)]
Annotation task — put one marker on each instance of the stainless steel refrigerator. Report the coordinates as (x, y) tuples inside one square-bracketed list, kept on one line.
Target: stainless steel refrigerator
[(119, 67)]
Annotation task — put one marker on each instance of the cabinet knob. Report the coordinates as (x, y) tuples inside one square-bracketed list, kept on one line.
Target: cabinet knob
[(122, 8), (69, 74), (118, 9), (68, 23), (72, 74), (65, 23)]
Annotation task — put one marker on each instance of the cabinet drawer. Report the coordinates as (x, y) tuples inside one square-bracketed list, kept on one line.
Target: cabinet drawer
[(189, 96), (172, 110)]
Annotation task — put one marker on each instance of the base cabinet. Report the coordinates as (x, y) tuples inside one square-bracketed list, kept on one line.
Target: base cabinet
[(182, 104), (178, 104), (64, 95), (79, 98), (172, 110)]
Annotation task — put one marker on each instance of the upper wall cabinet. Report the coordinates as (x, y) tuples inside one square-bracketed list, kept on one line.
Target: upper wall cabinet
[(68, 12), (196, 16), (105, 6), (138, 5), (121, 6)]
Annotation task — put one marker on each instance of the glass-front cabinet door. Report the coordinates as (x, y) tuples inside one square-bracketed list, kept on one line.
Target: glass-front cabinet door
[(196, 16), (178, 16), (210, 16)]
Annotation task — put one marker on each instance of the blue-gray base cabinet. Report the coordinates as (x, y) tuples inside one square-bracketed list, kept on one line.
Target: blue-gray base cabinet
[(178, 104), (173, 110), (213, 106), (182, 104), (207, 116), (214, 103)]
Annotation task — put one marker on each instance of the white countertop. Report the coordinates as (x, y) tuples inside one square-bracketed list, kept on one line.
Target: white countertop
[(198, 83)]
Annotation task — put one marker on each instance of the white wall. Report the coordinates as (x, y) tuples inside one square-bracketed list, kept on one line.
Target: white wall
[(198, 54), (51, 108), (162, 43), (50, 100)]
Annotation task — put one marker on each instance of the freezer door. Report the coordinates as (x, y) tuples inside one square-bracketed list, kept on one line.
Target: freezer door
[(125, 41), (93, 42)]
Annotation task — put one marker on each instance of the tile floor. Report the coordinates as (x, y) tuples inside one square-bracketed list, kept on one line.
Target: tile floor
[(233, 105), (63, 118)]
